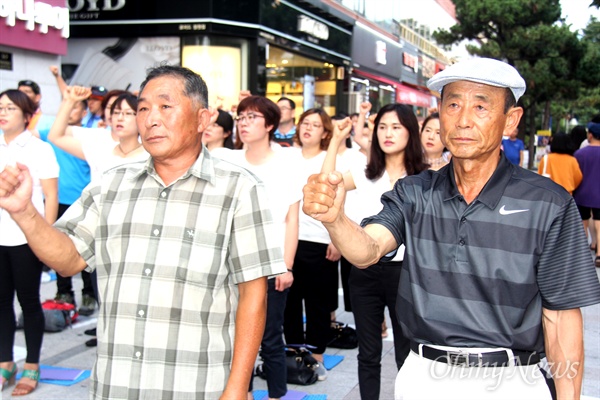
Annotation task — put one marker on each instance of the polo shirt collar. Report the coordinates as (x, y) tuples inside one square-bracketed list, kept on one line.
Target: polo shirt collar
[(492, 191), (203, 168), (20, 140)]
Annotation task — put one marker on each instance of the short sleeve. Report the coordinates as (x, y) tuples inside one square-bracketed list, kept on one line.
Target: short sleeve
[(566, 275), (392, 216), (255, 250), (50, 167), (80, 221)]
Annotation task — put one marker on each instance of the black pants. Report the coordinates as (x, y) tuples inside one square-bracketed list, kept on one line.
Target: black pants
[(371, 290), (20, 272), (315, 285), (65, 285), (345, 268)]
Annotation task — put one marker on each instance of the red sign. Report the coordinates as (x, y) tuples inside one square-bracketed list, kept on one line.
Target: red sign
[(35, 25), (408, 95), (411, 61)]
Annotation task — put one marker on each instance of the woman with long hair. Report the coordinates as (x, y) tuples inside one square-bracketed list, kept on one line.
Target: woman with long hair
[(432, 144), (219, 133), (20, 269), (315, 286), (395, 153)]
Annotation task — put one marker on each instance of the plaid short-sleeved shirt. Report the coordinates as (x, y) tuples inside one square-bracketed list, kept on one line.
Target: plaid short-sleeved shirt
[(168, 260)]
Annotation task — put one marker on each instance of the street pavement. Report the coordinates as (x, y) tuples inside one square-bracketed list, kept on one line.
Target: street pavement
[(67, 349)]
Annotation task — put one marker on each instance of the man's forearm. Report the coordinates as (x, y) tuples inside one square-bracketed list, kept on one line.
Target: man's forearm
[(358, 247), (51, 246), (563, 335), (249, 328)]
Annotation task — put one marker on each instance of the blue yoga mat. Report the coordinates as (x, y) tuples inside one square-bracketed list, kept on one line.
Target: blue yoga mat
[(67, 372), (330, 361)]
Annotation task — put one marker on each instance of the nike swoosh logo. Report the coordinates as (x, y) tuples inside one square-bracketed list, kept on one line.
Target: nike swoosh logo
[(504, 211)]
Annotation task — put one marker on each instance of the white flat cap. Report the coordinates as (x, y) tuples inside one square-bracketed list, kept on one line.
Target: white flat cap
[(481, 70)]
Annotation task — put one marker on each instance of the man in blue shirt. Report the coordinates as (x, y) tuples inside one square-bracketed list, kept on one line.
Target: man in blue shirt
[(513, 148)]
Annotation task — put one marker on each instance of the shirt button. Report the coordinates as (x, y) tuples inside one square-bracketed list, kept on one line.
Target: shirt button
[(141, 313), (163, 194), (138, 354), (156, 232), (463, 220), (147, 271), (461, 242)]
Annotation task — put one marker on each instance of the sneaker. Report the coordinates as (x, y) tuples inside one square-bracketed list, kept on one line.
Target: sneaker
[(321, 372), (65, 298), (90, 332), (92, 342), (88, 305)]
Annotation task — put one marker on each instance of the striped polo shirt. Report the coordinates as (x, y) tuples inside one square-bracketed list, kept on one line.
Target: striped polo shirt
[(478, 275)]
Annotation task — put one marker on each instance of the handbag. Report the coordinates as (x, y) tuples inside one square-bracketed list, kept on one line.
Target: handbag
[(342, 336), (301, 366)]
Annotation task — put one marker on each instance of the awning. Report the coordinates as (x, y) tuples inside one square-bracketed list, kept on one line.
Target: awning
[(407, 95), (404, 94)]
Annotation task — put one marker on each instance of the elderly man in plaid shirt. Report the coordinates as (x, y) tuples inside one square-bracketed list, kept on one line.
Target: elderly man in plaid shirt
[(182, 245)]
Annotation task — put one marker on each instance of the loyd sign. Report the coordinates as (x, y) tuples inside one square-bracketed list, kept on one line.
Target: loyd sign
[(32, 13), (312, 27), (106, 5)]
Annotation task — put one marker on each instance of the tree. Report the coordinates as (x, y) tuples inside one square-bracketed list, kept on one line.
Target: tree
[(530, 35)]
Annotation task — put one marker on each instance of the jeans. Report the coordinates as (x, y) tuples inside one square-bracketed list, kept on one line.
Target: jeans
[(20, 272), (371, 290), (272, 347)]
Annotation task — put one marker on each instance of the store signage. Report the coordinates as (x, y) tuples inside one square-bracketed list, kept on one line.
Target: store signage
[(428, 68), (410, 61), (6, 61), (95, 5), (380, 52), (313, 27), (34, 13)]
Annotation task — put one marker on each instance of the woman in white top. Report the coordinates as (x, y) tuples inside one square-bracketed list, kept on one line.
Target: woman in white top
[(120, 146), (395, 152), (315, 265), (257, 119), (432, 144), (20, 269)]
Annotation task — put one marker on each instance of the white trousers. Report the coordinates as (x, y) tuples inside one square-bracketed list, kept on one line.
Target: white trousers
[(424, 379)]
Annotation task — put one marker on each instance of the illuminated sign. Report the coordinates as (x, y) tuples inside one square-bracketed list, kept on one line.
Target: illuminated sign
[(313, 27), (410, 61), (381, 52), (35, 13)]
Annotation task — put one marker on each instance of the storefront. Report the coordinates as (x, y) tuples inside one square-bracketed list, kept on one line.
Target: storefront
[(416, 70), (375, 68), (33, 35), (270, 48)]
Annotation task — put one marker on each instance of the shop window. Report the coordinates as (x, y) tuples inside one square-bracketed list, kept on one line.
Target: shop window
[(309, 83), (222, 63)]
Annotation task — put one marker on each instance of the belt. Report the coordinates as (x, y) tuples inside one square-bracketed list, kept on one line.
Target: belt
[(462, 357)]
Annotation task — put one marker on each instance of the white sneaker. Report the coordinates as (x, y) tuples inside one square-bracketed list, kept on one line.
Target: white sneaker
[(321, 372)]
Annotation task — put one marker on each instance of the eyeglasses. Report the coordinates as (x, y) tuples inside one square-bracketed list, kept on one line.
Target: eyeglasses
[(307, 124), (248, 117), (8, 110), (126, 114)]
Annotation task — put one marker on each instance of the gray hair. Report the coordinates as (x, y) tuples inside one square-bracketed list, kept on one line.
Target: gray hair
[(194, 86)]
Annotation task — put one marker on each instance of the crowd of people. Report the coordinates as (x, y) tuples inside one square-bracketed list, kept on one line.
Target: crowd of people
[(202, 245)]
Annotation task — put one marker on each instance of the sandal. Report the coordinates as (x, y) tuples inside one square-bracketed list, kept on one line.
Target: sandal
[(8, 376), (384, 332), (23, 389), (593, 247)]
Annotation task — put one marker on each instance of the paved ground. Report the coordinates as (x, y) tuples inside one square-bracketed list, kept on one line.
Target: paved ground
[(67, 349)]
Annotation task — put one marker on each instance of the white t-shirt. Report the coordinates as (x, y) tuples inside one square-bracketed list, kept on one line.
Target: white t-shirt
[(280, 176), (312, 230), (41, 161), (98, 148), (368, 195)]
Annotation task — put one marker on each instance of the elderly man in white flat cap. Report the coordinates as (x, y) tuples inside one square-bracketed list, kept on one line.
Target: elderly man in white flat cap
[(496, 265)]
